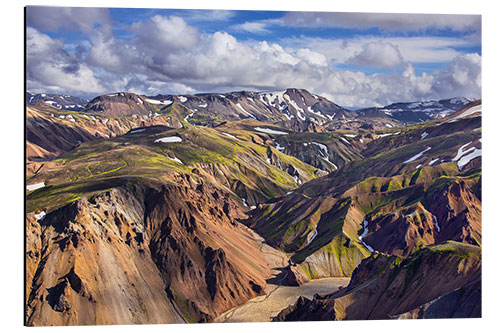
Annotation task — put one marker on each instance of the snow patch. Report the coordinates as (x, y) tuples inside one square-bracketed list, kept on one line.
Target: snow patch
[(245, 112), (155, 101), (466, 159), (40, 215), (417, 156), (319, 114), (433, 161), (137, 130), (350, 135), (229, 135), (36, 186), (423, 135), (175, 159), (168, 139), (365, 232), (436, 222), (323, 148), (279, 147), (314, 235), (464, 156), (182, 99), (269, 131), (203, 105)]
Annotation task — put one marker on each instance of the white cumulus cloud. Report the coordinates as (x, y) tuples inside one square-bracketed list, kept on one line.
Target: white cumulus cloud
[(377, 54)]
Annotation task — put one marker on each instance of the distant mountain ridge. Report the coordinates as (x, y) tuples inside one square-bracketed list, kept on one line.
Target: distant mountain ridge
[(297, 109), (62, 102), (417, 111)]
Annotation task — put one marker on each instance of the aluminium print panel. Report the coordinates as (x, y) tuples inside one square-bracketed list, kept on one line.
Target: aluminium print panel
[(190, 166)]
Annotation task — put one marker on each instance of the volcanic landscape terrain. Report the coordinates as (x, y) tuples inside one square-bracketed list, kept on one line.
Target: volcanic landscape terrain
[(250, 206)]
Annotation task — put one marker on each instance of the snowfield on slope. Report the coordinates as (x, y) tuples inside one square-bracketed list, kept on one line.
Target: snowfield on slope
[(155, 101), (269, 131), (175, 159), (40, 215), (36, 186), (168, 139), (137, 131), (433, 161), (471, 111), (416, 157), (464, 156), (229, 135), (314, 235)]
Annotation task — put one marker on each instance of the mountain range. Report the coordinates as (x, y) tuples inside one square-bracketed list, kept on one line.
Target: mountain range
[(168, 209)]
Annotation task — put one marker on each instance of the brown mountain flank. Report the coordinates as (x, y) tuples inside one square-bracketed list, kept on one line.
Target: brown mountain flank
[(384, 287), (133, 255)]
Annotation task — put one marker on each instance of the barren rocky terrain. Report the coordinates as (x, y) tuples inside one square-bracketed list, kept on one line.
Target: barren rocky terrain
[(249, 207)]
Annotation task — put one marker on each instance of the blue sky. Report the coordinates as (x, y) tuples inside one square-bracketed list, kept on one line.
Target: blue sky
[(354, 59)]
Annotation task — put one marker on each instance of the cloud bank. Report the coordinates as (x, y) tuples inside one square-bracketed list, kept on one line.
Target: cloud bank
[(164, 54)]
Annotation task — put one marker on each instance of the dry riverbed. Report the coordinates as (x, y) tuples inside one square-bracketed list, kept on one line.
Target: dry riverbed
[(278, 297)]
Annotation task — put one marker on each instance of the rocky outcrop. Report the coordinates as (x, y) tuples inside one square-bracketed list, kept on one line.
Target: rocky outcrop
[(438, 280), (51, 132), (464, 302), (156, 253)]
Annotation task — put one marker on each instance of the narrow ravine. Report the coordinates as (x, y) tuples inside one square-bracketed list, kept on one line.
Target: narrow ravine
[(278, 296), (365, 232)]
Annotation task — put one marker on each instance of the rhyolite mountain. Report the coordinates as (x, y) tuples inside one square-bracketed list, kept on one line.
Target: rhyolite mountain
[(413, 188), (53, 127), (144, 209), (153, 212), (293, 108)]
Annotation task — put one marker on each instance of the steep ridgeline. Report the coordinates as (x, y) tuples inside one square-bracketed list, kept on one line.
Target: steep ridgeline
[(52, 130), (413, 188), (440, 281), (143, 252), (296, 109), (54, 127)]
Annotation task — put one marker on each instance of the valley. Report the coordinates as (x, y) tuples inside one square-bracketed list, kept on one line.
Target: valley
[(250, 206)]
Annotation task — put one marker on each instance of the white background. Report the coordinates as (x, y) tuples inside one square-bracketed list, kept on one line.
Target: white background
[(12, 163)]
